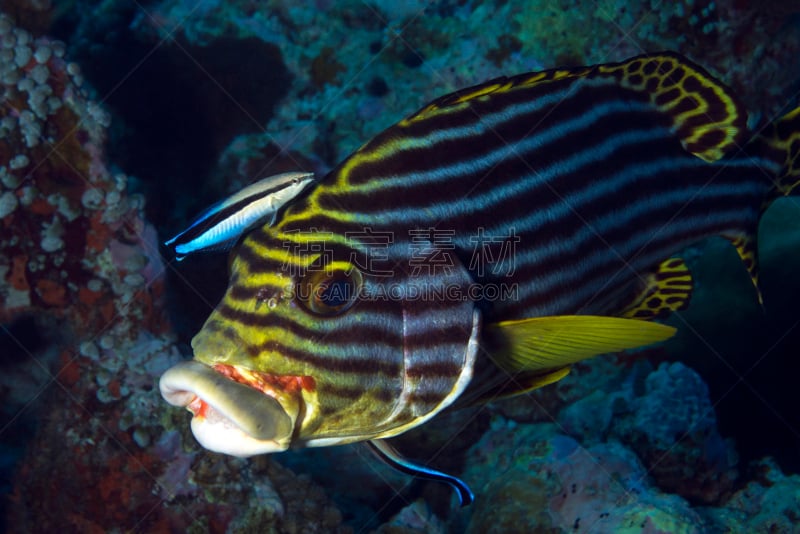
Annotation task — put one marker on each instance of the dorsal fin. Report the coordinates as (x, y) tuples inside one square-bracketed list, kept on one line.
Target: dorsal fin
[(707, 119), (457, 99)]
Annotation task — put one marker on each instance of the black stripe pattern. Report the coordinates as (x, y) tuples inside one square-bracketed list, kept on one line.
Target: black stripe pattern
[(582, 180)]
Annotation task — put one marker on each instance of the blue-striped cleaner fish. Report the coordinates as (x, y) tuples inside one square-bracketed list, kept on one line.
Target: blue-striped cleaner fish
[(218, 227), (477, 249)]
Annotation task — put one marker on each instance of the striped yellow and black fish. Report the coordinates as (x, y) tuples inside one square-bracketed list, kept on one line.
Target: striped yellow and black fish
[(476, 249)]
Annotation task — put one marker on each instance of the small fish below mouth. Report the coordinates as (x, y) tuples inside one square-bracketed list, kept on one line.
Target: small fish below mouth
[(228, 416)]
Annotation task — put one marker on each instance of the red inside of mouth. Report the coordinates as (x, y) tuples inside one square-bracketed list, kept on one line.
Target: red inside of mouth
[(268, 383), (198, 407)]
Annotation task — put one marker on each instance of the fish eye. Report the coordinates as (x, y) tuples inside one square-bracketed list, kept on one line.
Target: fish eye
[(330, 293)]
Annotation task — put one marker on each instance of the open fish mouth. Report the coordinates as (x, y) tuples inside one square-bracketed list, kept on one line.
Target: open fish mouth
[(230, 416)]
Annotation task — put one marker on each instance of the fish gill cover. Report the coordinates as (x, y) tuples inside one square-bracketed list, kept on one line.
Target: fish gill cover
[(120, 120)]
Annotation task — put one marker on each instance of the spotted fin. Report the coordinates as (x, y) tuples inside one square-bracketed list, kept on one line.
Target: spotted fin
[(780, 141), (221, 225), (389, 455), (550, 343), (667, 289), (707, 119), (748, 252)]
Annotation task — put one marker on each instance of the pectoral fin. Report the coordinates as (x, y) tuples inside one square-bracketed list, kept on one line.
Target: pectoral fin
[(545, 343)]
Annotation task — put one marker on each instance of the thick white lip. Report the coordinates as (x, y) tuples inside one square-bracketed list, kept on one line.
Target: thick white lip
[(237, 419)]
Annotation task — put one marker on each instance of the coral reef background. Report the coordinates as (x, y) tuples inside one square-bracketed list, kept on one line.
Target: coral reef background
[(121, 120)]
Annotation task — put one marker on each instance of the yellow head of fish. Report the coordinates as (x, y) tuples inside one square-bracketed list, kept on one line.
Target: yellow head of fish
[(321, 341)]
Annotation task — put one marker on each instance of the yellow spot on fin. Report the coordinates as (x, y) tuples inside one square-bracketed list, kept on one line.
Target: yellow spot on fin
[(476, 91), (547, 343), (709, 121), (748, 252), (667, 289), (537, 78), (457, 100), (463, 97)]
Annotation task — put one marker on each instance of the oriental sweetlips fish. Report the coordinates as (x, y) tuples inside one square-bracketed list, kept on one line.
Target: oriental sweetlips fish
[(475, 250)]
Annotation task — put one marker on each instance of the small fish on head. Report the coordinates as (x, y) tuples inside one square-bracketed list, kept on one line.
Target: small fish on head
[(218, 227), (473, 251)]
